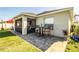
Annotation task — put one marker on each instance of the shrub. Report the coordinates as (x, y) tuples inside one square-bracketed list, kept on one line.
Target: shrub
[(76, 30)]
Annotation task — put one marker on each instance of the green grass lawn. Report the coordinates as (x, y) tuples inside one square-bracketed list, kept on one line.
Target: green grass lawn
[(13, 43), (72, 46)]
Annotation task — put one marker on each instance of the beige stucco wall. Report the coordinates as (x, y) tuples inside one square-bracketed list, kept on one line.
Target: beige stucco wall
[(61, 22), (24, 25), (40, 21)]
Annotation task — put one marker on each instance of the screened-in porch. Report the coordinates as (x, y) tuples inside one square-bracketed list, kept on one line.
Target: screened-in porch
[(18, 25)]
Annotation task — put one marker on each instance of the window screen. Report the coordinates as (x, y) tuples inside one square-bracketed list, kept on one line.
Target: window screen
[(49, 20)]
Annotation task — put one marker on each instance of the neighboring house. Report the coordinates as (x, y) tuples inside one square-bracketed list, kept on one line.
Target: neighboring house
[(9, 24), (76, 18), (60, 19), (76, 21), (6, 24)]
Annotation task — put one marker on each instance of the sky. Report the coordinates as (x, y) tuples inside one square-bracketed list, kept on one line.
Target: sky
[(7, 13)]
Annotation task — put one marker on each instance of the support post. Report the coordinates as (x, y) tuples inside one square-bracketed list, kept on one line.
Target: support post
[(24, 25)]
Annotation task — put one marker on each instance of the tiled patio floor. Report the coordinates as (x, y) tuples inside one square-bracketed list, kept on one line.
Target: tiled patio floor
[(42, 42)]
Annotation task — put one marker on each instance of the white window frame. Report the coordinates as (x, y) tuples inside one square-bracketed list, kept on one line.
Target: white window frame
[(49, 20)]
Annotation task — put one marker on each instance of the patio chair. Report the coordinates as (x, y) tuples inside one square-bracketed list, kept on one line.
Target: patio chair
[(38, 30), (47, 29)]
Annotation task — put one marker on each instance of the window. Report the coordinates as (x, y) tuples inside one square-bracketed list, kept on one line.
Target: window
[(49, 20)]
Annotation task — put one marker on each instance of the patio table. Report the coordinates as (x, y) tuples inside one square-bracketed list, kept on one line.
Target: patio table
[(43, 31)]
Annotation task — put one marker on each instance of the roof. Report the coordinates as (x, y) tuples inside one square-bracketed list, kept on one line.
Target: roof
[(55, 10), (45, 13), (9, 21), (25, 13)]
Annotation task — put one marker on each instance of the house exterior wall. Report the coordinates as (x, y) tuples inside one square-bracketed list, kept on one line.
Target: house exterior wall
[(24, 25), (14, 21), (61, 22), (40, 21)]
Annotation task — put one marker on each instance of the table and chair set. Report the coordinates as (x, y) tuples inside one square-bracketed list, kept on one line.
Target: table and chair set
[(44, 30)]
